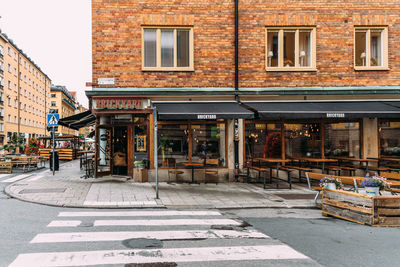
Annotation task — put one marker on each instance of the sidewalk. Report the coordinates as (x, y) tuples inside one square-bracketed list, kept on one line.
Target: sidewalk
[(67, 189)]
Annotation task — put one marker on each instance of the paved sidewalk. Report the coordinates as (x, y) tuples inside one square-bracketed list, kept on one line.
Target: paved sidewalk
[(67, 189)]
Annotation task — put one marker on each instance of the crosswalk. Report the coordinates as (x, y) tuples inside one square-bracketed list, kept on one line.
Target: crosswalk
[(11, 178), (188, 236)]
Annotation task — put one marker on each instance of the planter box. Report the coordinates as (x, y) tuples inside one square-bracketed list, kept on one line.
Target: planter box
[(360, 208), (140, 175)]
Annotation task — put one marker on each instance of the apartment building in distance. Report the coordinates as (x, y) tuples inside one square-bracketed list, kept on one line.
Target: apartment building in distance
[(64, 102), (87, 130), (24, 93), (231, 83)]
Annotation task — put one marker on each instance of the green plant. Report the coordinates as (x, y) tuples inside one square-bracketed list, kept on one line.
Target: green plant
[(32, 147), (15, 142), (375, 181), (329, 179)]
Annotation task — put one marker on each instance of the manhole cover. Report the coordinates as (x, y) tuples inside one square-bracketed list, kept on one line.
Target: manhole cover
[(296, 196), (43, 190), (142, 243)]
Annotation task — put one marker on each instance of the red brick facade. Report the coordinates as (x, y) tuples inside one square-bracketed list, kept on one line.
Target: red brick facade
[(117, 41)]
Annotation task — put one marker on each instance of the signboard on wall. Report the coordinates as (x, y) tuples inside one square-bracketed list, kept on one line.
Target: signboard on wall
[(120, 104), (105, 81), (141, 143)]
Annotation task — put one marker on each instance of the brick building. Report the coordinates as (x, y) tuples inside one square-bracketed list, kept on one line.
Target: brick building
[(234, 82)]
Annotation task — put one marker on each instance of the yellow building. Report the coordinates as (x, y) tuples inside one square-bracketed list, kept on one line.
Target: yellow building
[(64, 102), (25, 93), (84, 131)]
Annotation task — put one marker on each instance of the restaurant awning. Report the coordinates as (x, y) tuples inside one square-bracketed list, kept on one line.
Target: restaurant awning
[(326, 109), (79, 120), (201, 111)]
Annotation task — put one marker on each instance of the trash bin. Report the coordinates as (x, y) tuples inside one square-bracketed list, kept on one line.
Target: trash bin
[(54, 153)]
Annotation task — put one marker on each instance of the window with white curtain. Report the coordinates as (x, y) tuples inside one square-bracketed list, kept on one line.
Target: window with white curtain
[(370, 48)]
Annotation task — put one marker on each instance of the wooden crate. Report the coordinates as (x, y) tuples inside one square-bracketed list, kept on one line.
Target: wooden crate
[(140, 175), (360, 208)]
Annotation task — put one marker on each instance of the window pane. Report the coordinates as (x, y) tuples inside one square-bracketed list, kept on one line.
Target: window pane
[(272, 48), (167, 48), (389, 135), (263, 140), (172, 145), (376, 48), (288, 48), (150, 50), (208, 141), (182, 40), (303, 140), (342, 139), (361, 59), (305, 48)]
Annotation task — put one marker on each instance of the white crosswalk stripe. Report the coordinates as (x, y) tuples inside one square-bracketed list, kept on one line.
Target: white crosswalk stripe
[(236, 243), (16, 178)]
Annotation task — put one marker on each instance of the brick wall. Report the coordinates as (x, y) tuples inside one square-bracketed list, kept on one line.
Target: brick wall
[(334, 41), (117, 41)]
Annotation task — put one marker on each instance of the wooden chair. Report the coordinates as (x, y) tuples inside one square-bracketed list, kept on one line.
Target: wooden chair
[(211, 176), (171, 162)]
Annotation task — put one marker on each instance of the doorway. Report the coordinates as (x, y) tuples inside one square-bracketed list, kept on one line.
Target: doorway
[(119, 151)]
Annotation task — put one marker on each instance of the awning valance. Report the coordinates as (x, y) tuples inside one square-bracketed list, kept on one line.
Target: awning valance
[(201, 111), (79, 120), (326, 109)]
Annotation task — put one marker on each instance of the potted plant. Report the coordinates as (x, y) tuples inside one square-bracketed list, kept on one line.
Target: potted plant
[(373, 184), (330, 182)]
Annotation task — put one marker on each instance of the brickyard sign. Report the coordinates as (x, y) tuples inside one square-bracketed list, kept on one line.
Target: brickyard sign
[(120, 104)]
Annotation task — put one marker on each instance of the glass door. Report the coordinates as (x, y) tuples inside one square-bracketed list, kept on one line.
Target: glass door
[(103, 150)]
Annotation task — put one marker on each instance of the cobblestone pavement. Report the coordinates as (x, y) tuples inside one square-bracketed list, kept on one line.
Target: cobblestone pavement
[(67, 189)]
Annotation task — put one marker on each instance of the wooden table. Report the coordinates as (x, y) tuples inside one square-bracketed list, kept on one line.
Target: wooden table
[(271, 160), (317, 160), (193, 165), (357, 160)]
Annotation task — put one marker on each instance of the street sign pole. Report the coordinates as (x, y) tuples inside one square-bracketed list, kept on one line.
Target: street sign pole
[(54, 156), (155, 149)]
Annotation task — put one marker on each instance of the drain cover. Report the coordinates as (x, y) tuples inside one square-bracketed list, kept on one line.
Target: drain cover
[(43, 190), (142, 243)]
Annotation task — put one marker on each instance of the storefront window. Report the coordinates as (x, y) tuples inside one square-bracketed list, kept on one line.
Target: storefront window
[(342, 139), (141, 139), (263, 140), (389, 135), (303, 140), (173, 145), (208, 141)]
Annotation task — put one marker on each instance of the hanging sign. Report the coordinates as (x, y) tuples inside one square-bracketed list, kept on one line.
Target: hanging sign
[(141, 143)]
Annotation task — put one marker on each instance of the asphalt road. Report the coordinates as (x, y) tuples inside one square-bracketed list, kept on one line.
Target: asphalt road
[(327, 240)]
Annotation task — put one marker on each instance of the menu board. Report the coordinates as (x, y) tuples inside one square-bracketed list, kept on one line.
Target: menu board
[(141, 143)]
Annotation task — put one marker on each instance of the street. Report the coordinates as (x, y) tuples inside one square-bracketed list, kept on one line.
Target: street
[(38, 235)]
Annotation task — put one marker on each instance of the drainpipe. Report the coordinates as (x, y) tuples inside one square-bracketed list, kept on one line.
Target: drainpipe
[(236, 121)]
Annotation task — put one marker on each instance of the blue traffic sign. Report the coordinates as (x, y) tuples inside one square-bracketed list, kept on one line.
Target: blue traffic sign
[(52, 119)]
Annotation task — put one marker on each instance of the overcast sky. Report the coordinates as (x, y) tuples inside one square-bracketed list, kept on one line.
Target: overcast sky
[(56, 35)]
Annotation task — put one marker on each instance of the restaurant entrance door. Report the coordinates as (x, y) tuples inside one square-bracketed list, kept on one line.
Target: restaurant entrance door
[(119, 151)]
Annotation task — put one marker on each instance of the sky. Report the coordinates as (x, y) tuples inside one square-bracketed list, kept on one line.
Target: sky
[(56, 35)]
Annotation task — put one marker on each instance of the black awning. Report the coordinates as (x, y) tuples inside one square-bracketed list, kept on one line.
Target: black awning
[(79, 120), (326, 109), (202, 111)]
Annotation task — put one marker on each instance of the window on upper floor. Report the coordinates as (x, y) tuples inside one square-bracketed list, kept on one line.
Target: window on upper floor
[(15, 71), (53, 103), (370, 48), (9, 51), (9, 84), (53, 95), (9, 118), (9, 67), (9, 101), (290, 49), (169, 49), (1, 50)]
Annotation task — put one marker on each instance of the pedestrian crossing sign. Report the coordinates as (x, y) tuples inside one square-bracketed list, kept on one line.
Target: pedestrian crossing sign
[(52, 119)]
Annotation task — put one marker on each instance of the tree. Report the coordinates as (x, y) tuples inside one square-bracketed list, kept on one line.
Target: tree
[(15, 144)]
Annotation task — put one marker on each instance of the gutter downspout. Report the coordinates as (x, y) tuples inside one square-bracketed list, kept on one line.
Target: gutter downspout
[(236, 121)]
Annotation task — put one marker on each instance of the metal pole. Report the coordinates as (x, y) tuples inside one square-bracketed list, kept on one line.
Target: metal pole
[(155, 149), (54, 166)]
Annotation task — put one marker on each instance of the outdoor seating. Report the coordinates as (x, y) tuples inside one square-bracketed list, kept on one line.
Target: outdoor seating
[(5, 167), (211, 176), (353, 182), (171, 162)]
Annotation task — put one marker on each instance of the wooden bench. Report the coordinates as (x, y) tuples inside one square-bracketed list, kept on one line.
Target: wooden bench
[(259, 170), (393, 178), (288, 170), (300, 170), (346, 180), (5, 167)]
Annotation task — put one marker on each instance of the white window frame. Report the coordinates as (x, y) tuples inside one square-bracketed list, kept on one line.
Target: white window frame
[(297, 66), (384, 47), (158, 50)]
